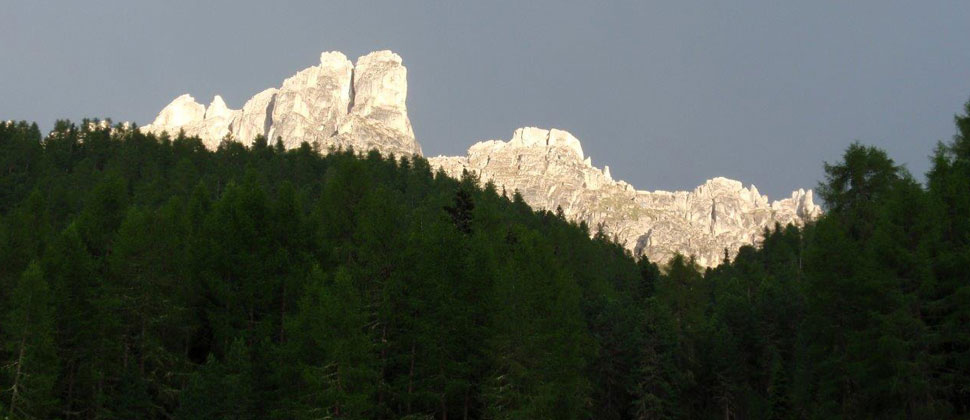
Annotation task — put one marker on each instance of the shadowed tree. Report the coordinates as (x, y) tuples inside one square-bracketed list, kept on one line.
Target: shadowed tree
[(28, 333)]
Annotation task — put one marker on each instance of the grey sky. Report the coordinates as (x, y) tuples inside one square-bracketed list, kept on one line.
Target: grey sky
[(667, 94)]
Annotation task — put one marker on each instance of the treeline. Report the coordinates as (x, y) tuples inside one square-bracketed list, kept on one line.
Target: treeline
[(146, 277), (862, 314)]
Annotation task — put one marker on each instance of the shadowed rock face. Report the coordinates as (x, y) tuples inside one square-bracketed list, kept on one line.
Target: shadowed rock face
[(334, 104), (362, 106), (548, 169)]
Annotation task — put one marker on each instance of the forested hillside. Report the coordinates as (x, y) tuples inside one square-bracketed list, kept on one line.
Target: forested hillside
[(145, 277)]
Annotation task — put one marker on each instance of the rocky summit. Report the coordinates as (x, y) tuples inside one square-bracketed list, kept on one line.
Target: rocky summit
[(362, 106), (548, 169), (334, 104)]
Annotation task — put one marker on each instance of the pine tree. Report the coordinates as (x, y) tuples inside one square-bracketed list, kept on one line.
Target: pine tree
[(461, 211), (337, 357), (221, 388), (28, 337), (947, 309), (142, 297), (73, 278)]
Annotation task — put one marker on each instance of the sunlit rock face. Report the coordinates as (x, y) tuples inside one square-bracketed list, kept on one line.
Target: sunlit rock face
[(256, 116), (216, 124), (380, 91), (183, 113), (549, 170), (332, 105), (312, 102), (362, 105), (378, 118)]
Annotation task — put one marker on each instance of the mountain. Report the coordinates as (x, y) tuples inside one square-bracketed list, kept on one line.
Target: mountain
[(548, 169), (146, 277), (341, 105), (334, 104)]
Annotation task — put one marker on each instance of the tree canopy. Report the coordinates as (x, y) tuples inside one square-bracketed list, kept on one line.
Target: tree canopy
[(147, 277)]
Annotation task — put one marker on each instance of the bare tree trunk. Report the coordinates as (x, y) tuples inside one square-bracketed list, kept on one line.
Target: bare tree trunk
[(141, 358), (15, 389), (283, 313), (70, 388), (444, 404), (340, 390), (444, 408), (124, 358), (410, 379), (380, 384)]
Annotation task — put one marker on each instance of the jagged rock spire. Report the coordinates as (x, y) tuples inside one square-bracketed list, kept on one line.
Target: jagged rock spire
[(333, 104)]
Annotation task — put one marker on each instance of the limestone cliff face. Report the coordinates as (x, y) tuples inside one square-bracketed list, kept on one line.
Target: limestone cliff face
[(378, 118), (342, 105), (312, 102), (256, 116), (548, 169), (182, 113), (334, 104)]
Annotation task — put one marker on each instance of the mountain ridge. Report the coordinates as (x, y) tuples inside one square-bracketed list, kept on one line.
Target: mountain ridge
[(549, 170), (339, 104)]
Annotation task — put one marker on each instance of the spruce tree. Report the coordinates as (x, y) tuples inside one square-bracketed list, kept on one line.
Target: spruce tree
[(28, 337)]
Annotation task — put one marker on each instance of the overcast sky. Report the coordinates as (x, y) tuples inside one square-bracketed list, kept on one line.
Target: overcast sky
[(667, 94)]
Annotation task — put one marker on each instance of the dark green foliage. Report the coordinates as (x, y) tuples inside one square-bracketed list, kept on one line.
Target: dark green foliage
[(145, 277), (221, 389), (862, 314), (262, 283), (461, 212), (28, 334)]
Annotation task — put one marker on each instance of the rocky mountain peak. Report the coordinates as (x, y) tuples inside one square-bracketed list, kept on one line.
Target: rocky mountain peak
[(548, 168), (333, 60), (333, 104), (537, 137), (183, 111), (217, 107), (311, 104), (380, 90), (363, 106)]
